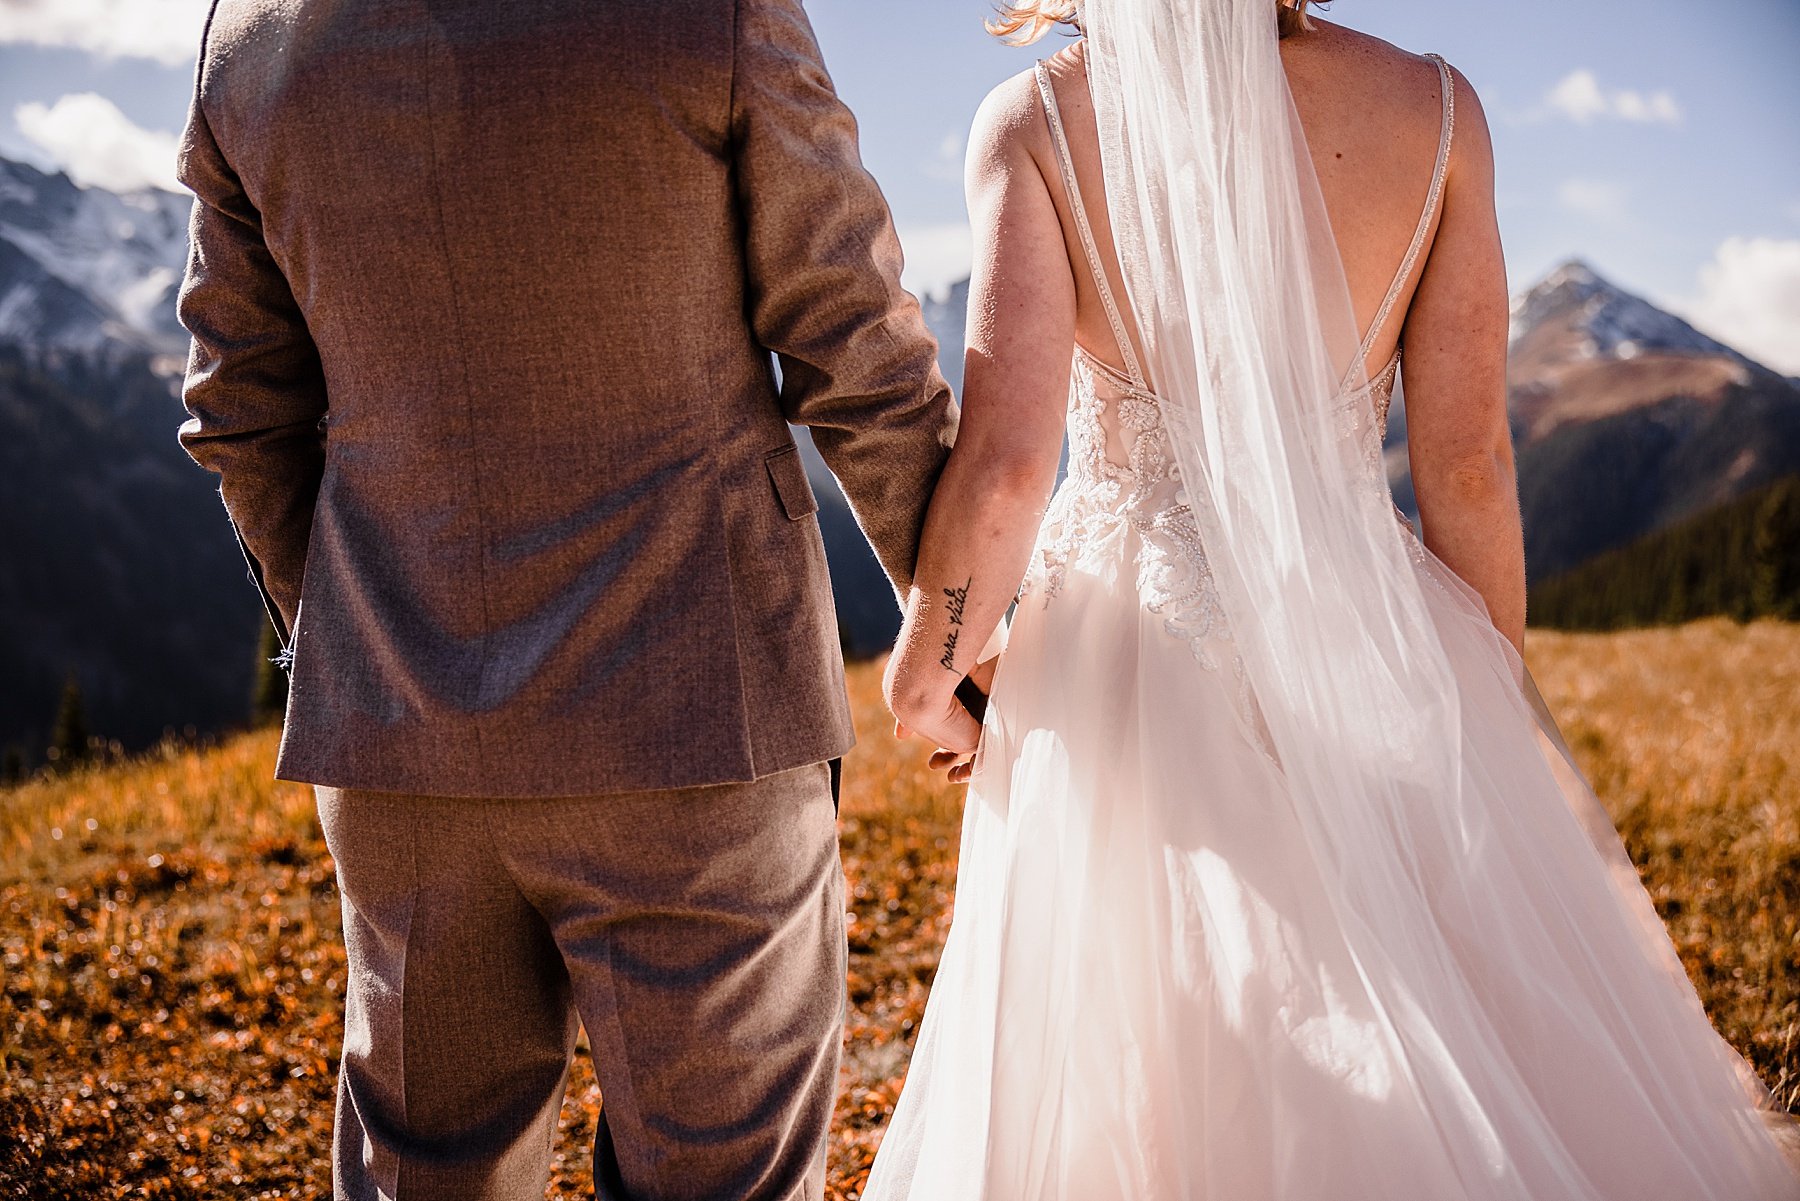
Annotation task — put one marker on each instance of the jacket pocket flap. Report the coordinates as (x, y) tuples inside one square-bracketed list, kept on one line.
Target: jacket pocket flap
[(788, 474)]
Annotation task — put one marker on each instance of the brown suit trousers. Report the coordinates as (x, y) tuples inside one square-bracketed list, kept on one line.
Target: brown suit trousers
[(709, 977)]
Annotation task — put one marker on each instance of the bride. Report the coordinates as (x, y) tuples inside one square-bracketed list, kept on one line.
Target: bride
[(1276, 882)]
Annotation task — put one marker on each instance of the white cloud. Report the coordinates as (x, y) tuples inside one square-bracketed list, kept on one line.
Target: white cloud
[(87, 136), (165, 31), (1750, 298), (1593, 198), (1578, 97), (1581, 99), (936, 256)]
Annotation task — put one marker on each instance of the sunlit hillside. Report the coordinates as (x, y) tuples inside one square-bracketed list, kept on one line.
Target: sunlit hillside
[(173, 971)]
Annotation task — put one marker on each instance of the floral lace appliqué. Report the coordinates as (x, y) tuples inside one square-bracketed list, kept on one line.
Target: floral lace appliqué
[(1101, 497)]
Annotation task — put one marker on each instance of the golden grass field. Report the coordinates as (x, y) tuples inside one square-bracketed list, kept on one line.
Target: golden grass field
[(169, 1016)]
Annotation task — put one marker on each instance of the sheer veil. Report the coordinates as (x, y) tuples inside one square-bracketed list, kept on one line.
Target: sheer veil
[(1430, 788)]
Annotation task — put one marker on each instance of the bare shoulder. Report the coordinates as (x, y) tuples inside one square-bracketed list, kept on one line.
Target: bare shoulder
[(1008, 134), (1402, 90)]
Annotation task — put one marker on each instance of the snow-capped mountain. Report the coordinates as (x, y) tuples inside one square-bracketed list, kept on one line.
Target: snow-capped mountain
[(116, 562), (1583, 348), (41, 311), (1608, 321), (87, 270), (1627, 419)]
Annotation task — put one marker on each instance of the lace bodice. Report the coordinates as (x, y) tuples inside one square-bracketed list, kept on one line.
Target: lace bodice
[(1124, 487), (1124, 494)]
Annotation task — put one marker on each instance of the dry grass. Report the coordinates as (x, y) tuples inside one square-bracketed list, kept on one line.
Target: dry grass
[(1692, 738), (173, 971)]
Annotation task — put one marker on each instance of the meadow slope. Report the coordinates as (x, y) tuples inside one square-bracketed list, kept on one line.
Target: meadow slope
[(172, 970)]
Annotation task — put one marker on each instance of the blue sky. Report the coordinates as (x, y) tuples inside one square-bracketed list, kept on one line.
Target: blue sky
[(1659, 140)]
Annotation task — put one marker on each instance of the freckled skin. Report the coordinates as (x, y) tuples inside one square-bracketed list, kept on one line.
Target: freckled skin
[(1372, 114)]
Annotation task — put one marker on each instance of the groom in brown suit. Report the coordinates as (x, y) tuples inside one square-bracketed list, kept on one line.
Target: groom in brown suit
[(485, 297)]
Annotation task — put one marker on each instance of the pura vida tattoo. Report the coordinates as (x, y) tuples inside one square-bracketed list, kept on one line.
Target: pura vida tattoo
[(958, 599)]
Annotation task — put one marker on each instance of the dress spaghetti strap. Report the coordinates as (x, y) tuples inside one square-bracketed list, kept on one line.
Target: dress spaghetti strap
[(1073, 190), (1432, 201)]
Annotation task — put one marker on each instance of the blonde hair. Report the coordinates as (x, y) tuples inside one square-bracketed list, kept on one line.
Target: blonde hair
[(1026, 21)]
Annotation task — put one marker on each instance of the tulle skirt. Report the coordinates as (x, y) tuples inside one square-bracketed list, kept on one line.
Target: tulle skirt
[(1146, 992)]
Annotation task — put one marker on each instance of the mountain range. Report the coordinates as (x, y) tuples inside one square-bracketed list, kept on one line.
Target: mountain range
[(117, 566), (89, 272)]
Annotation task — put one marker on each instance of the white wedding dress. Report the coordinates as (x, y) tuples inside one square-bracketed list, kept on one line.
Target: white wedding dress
[(1149, 989)]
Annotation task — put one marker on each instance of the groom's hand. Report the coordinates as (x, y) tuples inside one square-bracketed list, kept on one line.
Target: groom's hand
[(958, 761)]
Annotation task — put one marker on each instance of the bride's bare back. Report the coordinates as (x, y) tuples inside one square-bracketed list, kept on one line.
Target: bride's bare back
[(1374, 117)]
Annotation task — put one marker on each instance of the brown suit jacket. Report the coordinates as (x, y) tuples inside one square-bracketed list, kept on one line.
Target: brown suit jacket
[(484, 300)]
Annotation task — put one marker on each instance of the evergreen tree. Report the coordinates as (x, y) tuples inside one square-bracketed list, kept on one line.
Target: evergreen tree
[(1739, 560), (268, 695), (1774, 575), (69, 736)]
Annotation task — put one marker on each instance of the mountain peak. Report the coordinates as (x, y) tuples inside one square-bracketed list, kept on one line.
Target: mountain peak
[(98, 262), (1575, 282), (1573, 273), (1589, 317)]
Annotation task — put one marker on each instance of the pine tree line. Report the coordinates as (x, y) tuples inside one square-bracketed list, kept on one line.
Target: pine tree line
[(69, 738), (1739, 560), (73, 743)]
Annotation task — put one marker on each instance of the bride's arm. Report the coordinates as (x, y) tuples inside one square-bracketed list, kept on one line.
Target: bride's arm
[(984, 515), (1456, 421)]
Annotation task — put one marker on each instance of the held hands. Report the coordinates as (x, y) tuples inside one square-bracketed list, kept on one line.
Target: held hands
[(929, 667), (925, 705)]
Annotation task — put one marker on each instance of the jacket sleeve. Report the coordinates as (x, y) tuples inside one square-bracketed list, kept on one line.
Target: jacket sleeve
[(858, 366), (255, 389)]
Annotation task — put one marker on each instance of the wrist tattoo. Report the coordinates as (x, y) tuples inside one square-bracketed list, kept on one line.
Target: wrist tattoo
[(958, 599)]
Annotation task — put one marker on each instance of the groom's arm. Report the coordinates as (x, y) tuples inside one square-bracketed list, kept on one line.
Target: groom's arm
[(255, 389), (858, 365)]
